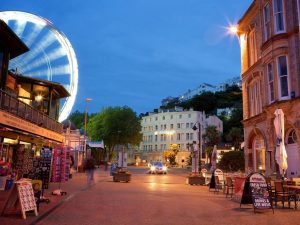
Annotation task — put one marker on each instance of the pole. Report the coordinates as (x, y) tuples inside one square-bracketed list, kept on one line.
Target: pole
[(85, 123), (200, 146)]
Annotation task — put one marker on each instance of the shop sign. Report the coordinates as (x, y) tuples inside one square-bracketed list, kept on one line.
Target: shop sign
[(16, 122)]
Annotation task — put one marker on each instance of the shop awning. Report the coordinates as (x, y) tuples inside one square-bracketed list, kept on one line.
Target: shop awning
[(99, 144)]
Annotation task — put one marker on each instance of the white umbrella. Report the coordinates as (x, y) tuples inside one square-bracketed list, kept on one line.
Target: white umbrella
[(280, 155), (214, 159)]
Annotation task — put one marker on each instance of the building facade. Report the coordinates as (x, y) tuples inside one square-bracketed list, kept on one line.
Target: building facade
[(166, 129), (29, 109), (269, 40)]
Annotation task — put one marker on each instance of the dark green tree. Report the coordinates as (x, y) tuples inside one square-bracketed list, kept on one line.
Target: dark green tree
[(77, 118), (115, 126), (232, 161), (211, 137), (235, 136)]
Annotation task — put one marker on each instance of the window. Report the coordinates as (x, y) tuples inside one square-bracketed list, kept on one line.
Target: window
[(255, 102), (260, 153), (283, 77), (155, 147), (171, 126), (190, 115), (191, 136), (252, 47), (187, 136), (187, 125), (171, 117), (155, 137), (278, 16), (178, 136), (163, 117), (156, 127), (178, 125), (267, 22), (180, 116), (292, 138), (271, 82), (165, 126), (161, 137)]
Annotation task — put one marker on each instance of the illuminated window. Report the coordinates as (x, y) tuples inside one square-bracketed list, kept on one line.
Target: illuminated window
[(260, 153)]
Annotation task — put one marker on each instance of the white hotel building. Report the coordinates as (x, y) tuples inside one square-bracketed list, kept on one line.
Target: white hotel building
[(174, 127)]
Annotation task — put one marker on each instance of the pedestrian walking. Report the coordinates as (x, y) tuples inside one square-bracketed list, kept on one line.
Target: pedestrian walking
[(89, 166)]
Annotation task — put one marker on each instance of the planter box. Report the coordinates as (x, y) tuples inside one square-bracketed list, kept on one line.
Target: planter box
[(117, 177), (195, 180)]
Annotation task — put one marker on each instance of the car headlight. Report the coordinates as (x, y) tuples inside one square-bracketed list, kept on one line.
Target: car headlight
[(152, 168), (164, 168)]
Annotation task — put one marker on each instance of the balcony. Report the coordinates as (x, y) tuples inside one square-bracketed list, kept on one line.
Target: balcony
[(18, 108)]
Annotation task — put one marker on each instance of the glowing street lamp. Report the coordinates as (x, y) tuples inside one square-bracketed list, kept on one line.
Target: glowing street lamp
[(233, 29), (85, 123)]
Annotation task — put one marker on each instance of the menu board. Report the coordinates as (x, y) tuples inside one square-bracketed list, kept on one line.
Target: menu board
[(260, 192), (256, 192)]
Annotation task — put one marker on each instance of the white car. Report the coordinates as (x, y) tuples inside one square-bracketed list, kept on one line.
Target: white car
[(157, 167)]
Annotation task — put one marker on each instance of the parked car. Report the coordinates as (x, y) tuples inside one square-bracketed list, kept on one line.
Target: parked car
[(157, 167)]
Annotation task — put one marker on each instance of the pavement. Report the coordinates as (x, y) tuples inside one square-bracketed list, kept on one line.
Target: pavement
[(146, 200), (75, 185)]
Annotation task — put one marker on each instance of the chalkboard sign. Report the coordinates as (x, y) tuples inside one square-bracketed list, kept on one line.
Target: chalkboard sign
[(256, 192)]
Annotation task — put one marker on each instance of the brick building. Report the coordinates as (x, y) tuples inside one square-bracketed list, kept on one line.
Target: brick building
[(269, 39)]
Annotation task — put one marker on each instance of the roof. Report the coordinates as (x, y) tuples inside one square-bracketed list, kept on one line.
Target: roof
[(10, 42), (56, 86)]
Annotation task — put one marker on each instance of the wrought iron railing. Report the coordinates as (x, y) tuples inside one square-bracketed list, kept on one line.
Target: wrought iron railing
[(18, 108)]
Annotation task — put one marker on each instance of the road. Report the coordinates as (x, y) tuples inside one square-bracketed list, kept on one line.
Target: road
[(157, 200)]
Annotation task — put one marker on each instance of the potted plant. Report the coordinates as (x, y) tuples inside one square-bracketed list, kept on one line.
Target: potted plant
[(121, 174), (196, 179)]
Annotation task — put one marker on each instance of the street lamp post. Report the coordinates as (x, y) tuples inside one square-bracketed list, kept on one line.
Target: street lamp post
[(199, 152), (85, 123)]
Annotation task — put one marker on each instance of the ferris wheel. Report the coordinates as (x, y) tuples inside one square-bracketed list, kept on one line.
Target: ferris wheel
[(51, 56)]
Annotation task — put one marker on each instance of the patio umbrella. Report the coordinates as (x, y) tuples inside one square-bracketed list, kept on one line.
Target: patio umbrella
[(280, 154), (214, 159)]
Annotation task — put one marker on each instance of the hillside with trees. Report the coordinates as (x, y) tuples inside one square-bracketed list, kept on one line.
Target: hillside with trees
[(209, 102)]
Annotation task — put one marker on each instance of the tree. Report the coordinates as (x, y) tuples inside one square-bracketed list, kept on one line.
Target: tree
[(232, 161), (171, 154), (235, 136), (115, 126), (211, 137), (77, 118)]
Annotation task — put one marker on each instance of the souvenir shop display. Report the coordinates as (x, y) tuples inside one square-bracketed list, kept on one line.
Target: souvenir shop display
[(60, 167)]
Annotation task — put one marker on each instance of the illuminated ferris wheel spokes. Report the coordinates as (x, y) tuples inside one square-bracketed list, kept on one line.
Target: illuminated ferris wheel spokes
[(51, 55)]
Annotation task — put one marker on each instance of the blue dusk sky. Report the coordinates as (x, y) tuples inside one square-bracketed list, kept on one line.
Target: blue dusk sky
[(137, 52)]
